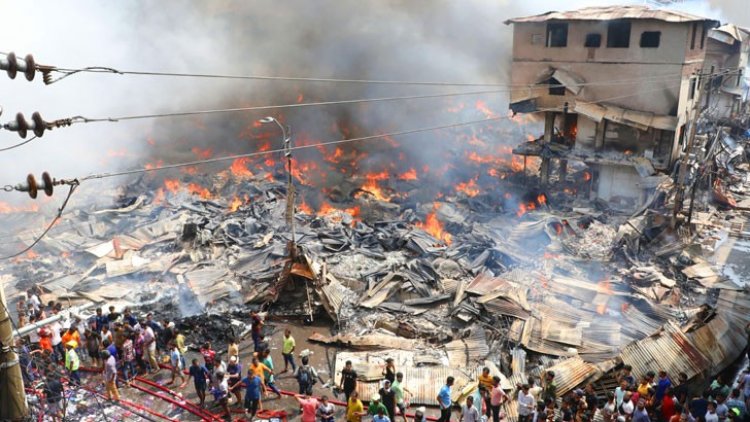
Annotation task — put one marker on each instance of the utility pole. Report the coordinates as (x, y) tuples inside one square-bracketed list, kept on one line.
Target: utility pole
[(679, 197), (12, 395), (286, 134)]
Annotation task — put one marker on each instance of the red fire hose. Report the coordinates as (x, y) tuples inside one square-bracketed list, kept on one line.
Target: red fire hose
[(195, 409)]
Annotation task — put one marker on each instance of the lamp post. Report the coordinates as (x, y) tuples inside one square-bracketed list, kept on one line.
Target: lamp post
[(286, 136)]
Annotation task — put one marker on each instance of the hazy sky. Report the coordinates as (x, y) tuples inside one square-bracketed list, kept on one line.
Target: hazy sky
[(463, 41)]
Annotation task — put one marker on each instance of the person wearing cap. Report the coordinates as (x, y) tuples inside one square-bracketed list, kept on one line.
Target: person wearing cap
[(375, 405), (309, 407), (388, 398), (234, 376), (72, 362), (253, 386), (419, 414), (526, 404), (354, 408), (445, 401), (110, 376), (735, 402)]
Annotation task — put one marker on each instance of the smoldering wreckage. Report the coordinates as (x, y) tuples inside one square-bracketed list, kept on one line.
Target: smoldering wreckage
[(517, 267)]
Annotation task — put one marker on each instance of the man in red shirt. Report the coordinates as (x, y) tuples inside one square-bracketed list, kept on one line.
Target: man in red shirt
[(667, 404), (209, 356)]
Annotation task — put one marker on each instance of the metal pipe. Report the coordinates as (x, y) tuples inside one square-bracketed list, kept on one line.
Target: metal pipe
[(69, 312)]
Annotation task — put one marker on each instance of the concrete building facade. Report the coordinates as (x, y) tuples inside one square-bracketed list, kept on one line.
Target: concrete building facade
[(616, 86)]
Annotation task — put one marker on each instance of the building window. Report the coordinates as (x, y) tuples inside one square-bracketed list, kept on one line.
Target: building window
[(691, 89), (555, 87), (557, 34), (593, 40), (650, 39), (618, 34), (692, 39)]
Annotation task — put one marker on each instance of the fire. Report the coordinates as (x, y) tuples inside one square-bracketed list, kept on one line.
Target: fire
[(586, 176), (371, 185), (172, 185), (469, 188), (202, 153), (335, 158), (410, 174), (328, 209), (301, 168), (541, 199), (433, 226), (482, 107), (158, 196), (304, 208), (6, 208), (199, 190), (235, 204), (239, 168), (151, 166)]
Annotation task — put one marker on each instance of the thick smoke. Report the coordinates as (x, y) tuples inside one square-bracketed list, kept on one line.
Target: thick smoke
[(395, 40)]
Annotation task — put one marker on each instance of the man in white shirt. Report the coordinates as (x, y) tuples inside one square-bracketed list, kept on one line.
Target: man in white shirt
[(525, 404), (57, 347), (149, 348), (469, 413)]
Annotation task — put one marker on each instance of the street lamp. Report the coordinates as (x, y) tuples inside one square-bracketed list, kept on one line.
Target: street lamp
[(286, 136)]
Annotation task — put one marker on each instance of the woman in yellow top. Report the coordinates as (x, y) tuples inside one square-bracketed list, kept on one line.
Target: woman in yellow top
[(354, 408), (233, 349)]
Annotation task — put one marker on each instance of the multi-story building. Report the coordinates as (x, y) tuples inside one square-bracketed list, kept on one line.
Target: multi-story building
[(616, 86)]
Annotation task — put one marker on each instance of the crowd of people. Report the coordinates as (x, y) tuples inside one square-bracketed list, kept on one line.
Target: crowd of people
[(122, 345)]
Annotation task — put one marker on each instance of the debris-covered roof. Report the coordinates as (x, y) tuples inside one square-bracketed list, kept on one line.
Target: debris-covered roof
[(606, 13)]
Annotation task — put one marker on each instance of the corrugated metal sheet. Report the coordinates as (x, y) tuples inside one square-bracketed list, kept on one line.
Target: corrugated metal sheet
[(571, 373), (464, 352), (613, 12), (669, 350)]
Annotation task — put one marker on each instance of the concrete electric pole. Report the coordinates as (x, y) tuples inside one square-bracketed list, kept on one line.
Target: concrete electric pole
[(13, 405)]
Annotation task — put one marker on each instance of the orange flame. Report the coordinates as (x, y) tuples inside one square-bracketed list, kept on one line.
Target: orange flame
[(172, 185), (469, 188), (482, 107), (410, 174), (202, 153), (371, 185), (6, 208), (304, 208), (199, 190), (235, 204), (433, 226), (239, 168), (586, 176), (541, 199)]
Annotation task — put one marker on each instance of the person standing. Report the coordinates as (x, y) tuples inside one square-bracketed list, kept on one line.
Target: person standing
[(400, 391), (179, 340), (128, 359), (110, 376), (306, 376), (149, 347), (200, 376), (390, 370), (497, 398), (485, 386), (209, 355), (609, 409), (287, 350), (549, 391), (253, 386), (53, 390), (388, 398), (348, 380), (375, 406), (233, 348), (93, 345), (381, 416), (256, 329), (58, 351), (325, 410), (445, 401), (175, 359), (268, 377), (526, 404), (221, 393), (72, 362), (469, 413), (309, 406), (234, 376), (354, 408)]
